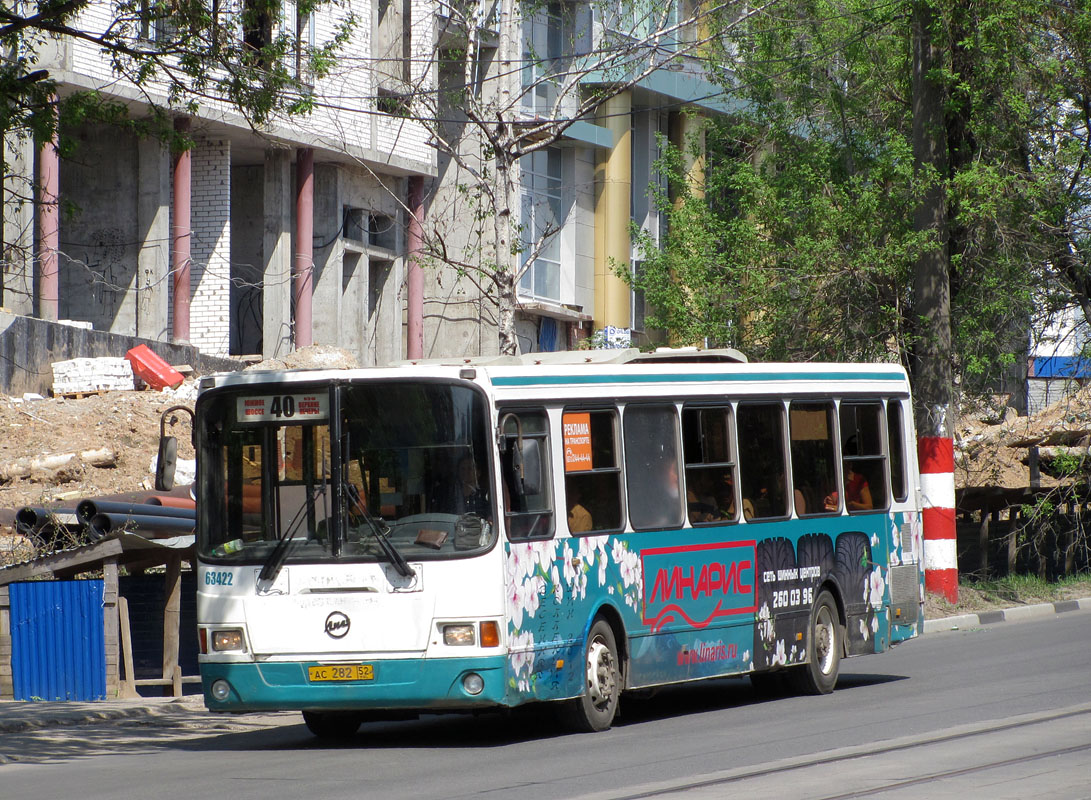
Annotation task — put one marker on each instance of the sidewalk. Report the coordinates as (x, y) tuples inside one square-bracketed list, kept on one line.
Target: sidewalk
[(19, 716)]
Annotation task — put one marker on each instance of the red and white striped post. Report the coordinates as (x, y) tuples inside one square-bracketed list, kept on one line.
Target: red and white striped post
[(937, 464)]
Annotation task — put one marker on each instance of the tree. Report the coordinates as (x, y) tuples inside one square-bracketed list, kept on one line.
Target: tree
[(512, 83), (801, 236), (817, 186)]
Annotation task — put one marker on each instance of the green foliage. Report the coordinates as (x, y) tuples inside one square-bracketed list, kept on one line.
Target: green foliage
[(803, 245)]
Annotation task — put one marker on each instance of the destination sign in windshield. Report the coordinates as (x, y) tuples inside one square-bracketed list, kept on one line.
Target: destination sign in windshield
[(284, 408)]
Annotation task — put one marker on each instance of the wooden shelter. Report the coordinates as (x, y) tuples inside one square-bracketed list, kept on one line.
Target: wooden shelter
[(108, 555)]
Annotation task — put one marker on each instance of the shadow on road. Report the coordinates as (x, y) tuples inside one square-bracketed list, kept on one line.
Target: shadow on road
[(202, 732)]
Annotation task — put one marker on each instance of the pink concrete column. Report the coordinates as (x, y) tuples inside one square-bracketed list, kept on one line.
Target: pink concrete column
[(303, 266), (49, 239), (937, 465), (181, 237), (415, 277)]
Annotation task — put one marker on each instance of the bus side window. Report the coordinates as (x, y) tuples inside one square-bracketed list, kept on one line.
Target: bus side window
[(651, 467), (814, 461), (592, 479), (896, 442), (862, 458), (762, 467), (524, 465), (710, 468)]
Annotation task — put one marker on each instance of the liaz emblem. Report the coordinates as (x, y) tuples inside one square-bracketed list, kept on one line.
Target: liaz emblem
[(337, 625)]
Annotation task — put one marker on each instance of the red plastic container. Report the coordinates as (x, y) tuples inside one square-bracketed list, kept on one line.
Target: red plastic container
[(153, 370)]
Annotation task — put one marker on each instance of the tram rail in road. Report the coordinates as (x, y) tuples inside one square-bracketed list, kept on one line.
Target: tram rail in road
[(955, 763)]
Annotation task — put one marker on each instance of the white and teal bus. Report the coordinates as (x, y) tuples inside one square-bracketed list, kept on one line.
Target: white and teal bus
[(383, 542)]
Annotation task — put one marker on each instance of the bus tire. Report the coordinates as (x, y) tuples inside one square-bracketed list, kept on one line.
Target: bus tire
[(332, 724), (594, 710), (819, 674)]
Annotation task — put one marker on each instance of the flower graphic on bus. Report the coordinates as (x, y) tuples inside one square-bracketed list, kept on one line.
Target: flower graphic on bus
[(574, 576), (631, 571), (875, 588), (538, 575)]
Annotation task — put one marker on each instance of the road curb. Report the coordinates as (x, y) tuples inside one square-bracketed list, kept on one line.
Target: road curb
[(1014, 614)]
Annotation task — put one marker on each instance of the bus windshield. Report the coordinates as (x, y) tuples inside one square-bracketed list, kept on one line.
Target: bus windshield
[(400, 473)]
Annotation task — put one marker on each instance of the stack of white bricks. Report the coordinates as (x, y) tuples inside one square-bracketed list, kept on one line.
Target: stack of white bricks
[(92, 375)]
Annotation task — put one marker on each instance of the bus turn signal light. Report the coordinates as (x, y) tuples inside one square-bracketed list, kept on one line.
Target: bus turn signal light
[(490, 634)]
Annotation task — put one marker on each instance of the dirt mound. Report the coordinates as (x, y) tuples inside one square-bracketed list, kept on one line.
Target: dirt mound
[(994, 452), (58, 449), (54, 451)]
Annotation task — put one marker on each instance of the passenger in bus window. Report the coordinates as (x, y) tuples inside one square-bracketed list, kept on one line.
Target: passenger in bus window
[(579, 518), (700, 503), (661, 506), (801, 503), (857, 492), (725, 498)]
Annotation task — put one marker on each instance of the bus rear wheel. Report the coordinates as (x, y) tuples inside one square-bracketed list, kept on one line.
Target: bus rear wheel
[(594, 710), (819, 674), (332, 724)]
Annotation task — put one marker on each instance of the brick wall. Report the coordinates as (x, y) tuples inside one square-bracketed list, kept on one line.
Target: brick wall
[(210, 250)]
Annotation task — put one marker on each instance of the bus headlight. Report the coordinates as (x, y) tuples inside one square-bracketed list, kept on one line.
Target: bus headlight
[(220, 690), (228, 639), (458, 635)]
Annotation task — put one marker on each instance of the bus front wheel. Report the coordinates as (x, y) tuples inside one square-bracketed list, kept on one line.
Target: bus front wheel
[(594, 710), (819, 674)]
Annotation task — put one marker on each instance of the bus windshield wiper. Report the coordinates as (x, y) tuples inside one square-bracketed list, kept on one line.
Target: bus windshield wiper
[(273, 564), (379, 530)]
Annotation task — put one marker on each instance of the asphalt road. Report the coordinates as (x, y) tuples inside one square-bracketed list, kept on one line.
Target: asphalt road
[(995, 711)]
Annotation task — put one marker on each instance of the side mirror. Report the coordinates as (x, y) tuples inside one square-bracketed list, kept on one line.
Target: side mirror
[(168, 450), (532, 467), (166, 463)]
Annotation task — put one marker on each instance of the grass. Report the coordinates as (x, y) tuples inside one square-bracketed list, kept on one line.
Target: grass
[(1014, 590)]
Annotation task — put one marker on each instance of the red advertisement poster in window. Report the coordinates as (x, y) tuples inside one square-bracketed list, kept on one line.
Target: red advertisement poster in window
[(576, 428)]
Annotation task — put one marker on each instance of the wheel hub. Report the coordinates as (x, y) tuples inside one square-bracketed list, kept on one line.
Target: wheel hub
[(823, 641), (601, 682)]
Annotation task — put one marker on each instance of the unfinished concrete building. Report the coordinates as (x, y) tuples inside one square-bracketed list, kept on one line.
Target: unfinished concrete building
[(251, 243)]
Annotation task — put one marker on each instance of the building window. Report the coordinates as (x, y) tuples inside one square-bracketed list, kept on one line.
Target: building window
[(542, 213), (636, 302), (543, 48), (304, 45), (257, 26), (392, 43)]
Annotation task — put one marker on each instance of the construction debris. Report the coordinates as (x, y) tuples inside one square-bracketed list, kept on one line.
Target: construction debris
[(86, 375)]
